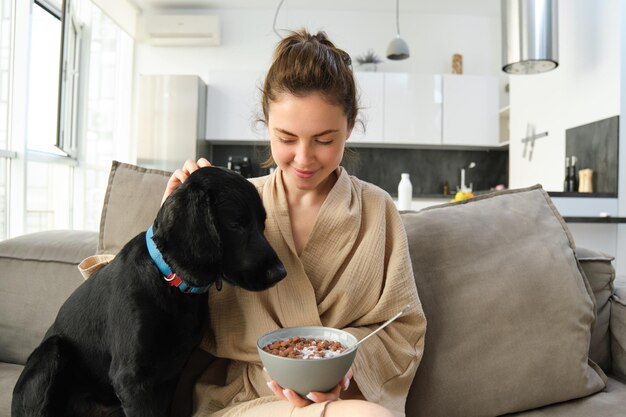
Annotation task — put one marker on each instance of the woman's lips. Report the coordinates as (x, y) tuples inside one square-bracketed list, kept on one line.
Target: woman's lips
[(303, 174)]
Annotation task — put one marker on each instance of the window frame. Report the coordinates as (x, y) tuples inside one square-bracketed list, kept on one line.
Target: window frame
[(69, 79), (69, 82)]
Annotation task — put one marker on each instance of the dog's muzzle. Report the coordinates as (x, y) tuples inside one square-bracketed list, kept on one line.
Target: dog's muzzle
[(276, 273)]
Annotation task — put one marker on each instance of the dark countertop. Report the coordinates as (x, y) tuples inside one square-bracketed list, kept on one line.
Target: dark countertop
[(587, 195), (439, 196), (432, 196), (589, 219), (424, 196), (550, 193)]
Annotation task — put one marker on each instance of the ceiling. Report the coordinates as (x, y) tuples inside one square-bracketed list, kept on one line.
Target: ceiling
[(463, 7)]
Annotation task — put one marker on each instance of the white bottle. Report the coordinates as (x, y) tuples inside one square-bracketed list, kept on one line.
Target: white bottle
[(405, 192)]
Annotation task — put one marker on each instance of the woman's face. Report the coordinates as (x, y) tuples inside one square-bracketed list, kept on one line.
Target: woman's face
[(307, 135)]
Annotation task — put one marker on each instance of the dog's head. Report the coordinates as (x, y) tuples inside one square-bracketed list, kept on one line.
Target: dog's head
[(212, 226)]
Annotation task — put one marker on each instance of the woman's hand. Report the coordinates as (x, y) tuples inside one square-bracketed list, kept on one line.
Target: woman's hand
[(313, 397), (180, 175)]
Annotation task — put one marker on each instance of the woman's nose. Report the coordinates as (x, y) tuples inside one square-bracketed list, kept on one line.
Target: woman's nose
[(304, 153)]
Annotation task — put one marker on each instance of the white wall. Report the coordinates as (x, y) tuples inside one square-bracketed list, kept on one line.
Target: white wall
[(248, 41), (584, 88), (123, 12)]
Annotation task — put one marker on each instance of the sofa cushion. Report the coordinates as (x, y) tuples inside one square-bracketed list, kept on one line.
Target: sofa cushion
[(609, 403), (618, 332), (600, 275), (509, 312), (9, 373), (39, 273), (121, 221)]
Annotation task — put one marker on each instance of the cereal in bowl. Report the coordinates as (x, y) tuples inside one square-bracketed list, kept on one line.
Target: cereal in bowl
[(305, 348)]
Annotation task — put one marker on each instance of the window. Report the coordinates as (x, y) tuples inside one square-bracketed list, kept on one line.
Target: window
[(47, 183), (67, 141), (43, 80), (6, 42), (107, 112), (44, 208), (3, 198)]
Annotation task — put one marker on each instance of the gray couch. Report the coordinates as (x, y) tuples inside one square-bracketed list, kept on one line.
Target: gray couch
[(520, 322)]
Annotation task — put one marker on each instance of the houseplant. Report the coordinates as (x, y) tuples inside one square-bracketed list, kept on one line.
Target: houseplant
[(368, 61)]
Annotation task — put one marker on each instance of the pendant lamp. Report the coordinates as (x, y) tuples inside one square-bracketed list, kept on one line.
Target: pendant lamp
[(530, 41), (398, 48)]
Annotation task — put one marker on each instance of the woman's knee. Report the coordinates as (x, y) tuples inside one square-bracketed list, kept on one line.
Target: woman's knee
[(360, 408)]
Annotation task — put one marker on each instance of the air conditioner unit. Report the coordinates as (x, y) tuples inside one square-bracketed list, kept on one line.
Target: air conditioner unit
[(182, 30)]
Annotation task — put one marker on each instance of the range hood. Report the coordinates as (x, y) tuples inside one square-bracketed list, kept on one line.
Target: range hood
[(530, 42)]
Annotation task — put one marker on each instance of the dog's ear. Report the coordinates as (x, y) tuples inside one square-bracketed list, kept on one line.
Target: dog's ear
[(185, 231)]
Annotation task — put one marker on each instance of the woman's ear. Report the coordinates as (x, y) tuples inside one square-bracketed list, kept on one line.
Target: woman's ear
[(350, 127)]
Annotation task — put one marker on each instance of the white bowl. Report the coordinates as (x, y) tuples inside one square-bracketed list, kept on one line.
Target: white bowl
[(308, 375)]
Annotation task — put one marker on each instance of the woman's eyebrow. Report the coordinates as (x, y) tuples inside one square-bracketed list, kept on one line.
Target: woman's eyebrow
[(286, 132), (283, 131), (327, 131)]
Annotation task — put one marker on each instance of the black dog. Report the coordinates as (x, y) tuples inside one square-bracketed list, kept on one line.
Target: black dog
[(122, 338)]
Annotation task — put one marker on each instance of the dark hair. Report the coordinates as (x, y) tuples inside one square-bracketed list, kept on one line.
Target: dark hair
[(305, 64)]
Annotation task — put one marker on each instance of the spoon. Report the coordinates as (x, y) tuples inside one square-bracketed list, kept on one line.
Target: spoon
[(382, 326)]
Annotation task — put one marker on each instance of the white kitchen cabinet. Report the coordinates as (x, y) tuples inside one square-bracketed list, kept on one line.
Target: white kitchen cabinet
[(370, 90), (396, 108), (412, 108), (233, 105), (170, 126), (470, 110)]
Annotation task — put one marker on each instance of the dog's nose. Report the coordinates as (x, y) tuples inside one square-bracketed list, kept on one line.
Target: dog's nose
[(276, 273)]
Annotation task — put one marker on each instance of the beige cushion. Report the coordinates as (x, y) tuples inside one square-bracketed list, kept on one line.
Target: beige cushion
[(9, 373), (600, 275), (509, 313), (618, 332), (131, 202), (38, 274), (608, 403)]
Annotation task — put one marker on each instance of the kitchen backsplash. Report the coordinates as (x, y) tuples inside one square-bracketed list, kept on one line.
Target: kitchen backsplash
[(429, 168), (595, 146)]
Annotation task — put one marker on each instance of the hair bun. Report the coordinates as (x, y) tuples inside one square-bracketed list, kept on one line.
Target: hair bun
[(304, 63), (345, 57), (322, 38)]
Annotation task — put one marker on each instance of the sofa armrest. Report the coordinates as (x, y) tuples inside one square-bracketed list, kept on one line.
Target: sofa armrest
[(600, 274), (39, 272), (618, 332)]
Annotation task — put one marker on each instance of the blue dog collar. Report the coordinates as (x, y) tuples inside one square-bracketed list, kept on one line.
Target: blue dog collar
[(170, 277)]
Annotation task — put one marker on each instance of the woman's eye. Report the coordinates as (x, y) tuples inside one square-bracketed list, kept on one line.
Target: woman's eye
[(286, 140), (324, 141)]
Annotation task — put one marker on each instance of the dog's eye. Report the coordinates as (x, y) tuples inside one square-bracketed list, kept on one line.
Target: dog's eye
[(235, 226)]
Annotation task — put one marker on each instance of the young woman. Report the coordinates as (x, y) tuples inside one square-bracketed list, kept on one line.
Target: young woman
[(343, 245)]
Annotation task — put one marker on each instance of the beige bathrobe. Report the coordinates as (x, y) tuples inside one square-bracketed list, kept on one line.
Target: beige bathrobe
[(354, 273)]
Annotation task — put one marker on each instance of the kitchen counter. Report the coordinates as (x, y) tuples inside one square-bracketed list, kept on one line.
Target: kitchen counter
[(596, 208), (444, 197), (581, 195), (583, 206), (427, 197), (423, 201), (591, 219)]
